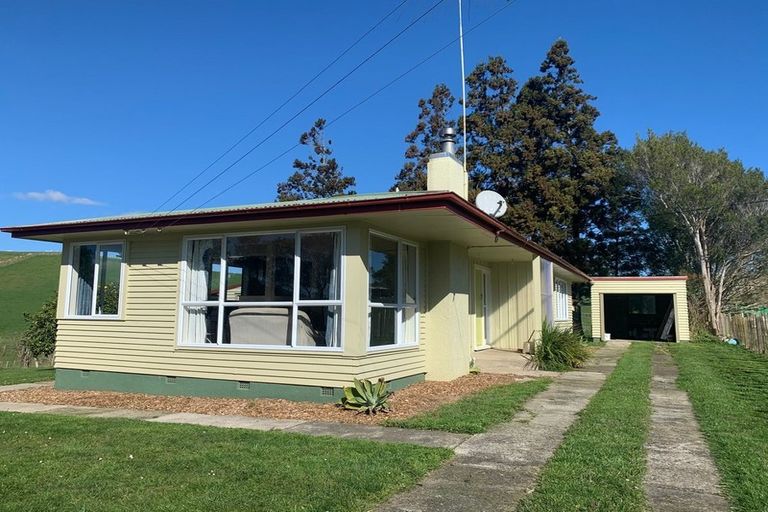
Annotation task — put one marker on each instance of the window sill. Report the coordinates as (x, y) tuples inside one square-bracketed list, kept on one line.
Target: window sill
[(262, 348), (389, 348), (99, 318)]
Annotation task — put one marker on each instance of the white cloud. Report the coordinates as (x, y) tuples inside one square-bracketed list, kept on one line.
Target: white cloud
[(56, 196)]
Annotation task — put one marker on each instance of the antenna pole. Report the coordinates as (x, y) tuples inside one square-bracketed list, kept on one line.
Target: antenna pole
[(463, 90)]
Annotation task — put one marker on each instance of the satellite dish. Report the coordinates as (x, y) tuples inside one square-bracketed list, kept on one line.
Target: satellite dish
[(491, 203)]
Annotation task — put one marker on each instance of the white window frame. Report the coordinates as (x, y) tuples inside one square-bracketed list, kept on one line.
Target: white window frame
[(400, 341), (562, 306), (68, 301), (293, 304)]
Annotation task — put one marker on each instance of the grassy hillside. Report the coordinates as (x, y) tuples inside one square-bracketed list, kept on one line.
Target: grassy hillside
[(26, 281)]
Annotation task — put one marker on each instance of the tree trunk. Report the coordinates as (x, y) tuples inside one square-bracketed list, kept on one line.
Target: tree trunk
[(710, 295)]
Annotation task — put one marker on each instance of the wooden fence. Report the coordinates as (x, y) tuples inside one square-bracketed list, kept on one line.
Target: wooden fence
[(750, 330)]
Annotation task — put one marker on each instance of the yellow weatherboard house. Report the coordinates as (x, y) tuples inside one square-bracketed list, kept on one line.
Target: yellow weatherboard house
[(296, 299)]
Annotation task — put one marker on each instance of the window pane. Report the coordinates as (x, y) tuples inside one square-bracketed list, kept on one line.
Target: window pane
[(561, 292), (83, 266), (320, 264), (260, 268), (383, 271), (256, 325), (410, 326), (200, 324), (203, 270), (382, 326), (318, 326), (108, 294), (409, 274)]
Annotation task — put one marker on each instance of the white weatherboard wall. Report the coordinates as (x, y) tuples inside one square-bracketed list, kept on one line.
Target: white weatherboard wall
[(674, 285)]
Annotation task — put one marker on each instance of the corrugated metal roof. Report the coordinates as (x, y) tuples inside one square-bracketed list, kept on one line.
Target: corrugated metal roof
[(239, 208)]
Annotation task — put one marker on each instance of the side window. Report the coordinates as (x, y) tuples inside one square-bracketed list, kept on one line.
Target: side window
[(392, 292), (96, 277), (563, 300)]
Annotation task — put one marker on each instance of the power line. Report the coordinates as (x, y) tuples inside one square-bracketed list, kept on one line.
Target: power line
[(283, 104), (305, 108), (348, 111)]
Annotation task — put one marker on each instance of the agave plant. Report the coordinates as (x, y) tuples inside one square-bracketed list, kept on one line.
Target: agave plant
[(367, 397)]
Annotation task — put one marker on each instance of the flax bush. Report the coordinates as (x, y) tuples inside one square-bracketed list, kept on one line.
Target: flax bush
[(559, 350)]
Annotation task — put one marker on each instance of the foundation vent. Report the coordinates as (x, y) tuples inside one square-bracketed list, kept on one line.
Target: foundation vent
[(327, 391), (170, 380), (85, 373), (243, 385)]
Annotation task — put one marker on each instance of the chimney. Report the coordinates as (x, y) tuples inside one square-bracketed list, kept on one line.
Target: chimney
[(444, 170)]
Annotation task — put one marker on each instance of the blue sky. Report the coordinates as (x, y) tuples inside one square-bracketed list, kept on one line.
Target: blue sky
[(110, 107)]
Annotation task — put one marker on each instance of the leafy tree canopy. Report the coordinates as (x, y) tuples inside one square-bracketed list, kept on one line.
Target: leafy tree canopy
[(713, 214)]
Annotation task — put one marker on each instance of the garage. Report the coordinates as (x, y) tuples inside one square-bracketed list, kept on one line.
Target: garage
[(640, 308)]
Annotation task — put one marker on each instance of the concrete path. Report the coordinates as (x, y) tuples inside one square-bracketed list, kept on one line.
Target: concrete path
[(28, 385), (493, 360), (312, 428), (493, 471), (681, 476)]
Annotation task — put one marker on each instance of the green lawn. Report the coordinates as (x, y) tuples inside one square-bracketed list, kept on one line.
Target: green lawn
[(77, 464), (23, 375), (601, 463), (24, 285), (729, 390), (477, 412)]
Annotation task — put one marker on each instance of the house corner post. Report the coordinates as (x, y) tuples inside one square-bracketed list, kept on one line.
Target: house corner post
[(538, 313)]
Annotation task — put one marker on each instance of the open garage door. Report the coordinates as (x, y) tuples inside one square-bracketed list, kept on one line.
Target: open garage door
[(640, 316)]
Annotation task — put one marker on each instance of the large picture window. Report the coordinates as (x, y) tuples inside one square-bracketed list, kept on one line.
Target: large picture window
[(94, 288), (392, 292), (270, 289)]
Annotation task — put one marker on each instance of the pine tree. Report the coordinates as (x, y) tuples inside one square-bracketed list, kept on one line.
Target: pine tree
[(424, 140), (491, 132), (320, 175), (622, 244), (566, 165)]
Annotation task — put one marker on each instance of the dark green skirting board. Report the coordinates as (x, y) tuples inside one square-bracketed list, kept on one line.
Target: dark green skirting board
[(92, 380)]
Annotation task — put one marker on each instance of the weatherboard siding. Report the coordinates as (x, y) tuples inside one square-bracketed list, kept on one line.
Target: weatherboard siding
[(143, 340), (512, 305)]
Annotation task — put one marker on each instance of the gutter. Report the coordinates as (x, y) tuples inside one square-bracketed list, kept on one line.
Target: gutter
[(437, 200)]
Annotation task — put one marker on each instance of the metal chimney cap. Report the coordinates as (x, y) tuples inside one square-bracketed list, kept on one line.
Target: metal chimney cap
[(448, 142)]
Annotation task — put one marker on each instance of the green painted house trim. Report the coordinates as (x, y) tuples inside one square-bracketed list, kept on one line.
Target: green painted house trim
[(87, 380)]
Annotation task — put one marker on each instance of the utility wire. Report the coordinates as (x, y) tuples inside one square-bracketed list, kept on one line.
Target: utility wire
[(283, 104), (305, 108), (347, 112)]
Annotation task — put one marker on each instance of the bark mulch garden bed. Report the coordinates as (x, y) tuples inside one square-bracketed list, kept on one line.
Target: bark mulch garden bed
[(414, 399)]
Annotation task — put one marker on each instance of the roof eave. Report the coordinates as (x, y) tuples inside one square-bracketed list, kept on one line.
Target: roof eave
[(446, 200)]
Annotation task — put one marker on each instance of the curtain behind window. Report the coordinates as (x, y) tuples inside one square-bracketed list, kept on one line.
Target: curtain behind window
[(86, 260), (199, 264)]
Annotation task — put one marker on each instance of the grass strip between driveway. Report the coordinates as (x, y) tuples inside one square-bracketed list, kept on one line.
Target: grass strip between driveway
[(728, 387), (478, 412), (70, 463), (601, 463), (24, 375)]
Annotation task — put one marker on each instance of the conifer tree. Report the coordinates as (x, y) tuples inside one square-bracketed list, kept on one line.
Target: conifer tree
[(424, 140), (566, 164), (491, 132), (318, 176)]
